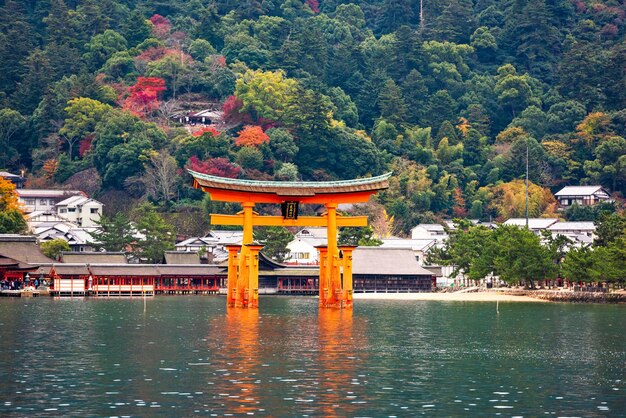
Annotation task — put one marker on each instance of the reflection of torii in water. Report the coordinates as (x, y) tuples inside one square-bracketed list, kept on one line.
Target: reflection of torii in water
[(243, 273)]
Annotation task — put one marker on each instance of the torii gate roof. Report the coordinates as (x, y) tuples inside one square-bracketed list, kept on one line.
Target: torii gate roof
[(341, 191)]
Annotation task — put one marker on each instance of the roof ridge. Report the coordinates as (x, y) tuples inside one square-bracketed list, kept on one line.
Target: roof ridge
[(288, 184)]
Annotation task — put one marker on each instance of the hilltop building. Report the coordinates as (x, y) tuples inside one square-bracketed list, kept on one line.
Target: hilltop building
[(581, 195)]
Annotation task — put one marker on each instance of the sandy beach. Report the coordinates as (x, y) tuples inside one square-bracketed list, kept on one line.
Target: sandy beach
[(455, 297)]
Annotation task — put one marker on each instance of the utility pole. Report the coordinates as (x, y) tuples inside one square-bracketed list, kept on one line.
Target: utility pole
[(421, 16), (526, 184)]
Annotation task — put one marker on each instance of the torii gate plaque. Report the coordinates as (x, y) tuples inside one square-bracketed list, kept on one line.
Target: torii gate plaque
[(243, 269)]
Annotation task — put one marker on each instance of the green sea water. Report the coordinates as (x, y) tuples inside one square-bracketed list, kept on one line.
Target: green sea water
[(190, 356)]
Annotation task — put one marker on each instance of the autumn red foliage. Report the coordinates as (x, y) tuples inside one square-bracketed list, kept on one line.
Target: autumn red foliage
[(85, 145), (314, 5), (161, 26), (232, 111), (206, 129), (220, 167), (143, 97), (251, 136)]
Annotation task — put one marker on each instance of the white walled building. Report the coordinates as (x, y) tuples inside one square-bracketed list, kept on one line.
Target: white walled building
[(581, 195), (42, 200), (429, 231), (581, 233), (81, 210), (302, 250)]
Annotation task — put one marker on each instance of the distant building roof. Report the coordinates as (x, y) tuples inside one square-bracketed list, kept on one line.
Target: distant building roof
[(23, 248), (572, 226), (579, 191), (225, 236), (430, 227), (48, 193), (312, 233), (414, 244), (77, 201), (386, 261), (94, 257), (533, 223), (182, 257), (8, 175)]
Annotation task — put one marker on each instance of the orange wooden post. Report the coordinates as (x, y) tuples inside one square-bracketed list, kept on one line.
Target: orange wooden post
[(233, 262), (253, 275), (322, 251), (347, 273), (332, 267)]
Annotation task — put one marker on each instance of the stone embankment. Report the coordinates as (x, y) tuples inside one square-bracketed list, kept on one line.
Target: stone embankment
[(567, 296)]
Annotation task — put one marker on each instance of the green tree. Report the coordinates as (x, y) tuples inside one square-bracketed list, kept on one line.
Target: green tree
[(102, 46), (11, 123), (578, 265), (155, 235), (519, 256), (274, 240), (83, 114), (467, 249), (114, 233), (363, 236), (611, 228), (391, 104), (265, 94), (53, 248), (282, 143)]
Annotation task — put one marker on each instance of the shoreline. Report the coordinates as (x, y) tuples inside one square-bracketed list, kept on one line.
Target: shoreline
[(449, 297), (502, 296)]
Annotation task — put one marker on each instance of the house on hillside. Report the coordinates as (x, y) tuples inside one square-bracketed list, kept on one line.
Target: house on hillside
[(14, 178), (44, 200), (81, 210), (429, 231), (203, 117), (581, 195)]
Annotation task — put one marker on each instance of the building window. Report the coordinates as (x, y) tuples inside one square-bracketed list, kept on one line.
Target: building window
[(63, 210), (71, 209), (301, 256), (30, 202), (94, 210)]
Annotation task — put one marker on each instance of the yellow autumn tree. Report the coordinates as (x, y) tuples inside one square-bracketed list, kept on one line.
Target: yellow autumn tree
[(265, 93), (509, 200), (11, 217)]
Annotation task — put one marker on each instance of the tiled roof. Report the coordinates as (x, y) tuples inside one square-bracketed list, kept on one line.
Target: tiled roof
[(572, 226), (292, 188), (48, 193), (22, 248), (94, 257), (386, 261), (533, 223), (578, 190)]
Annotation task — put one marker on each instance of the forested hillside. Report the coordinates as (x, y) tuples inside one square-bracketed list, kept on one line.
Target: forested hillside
[(447, 94)]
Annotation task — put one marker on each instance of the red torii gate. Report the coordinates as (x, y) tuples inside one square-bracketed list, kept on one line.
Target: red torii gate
[(243, 273)]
